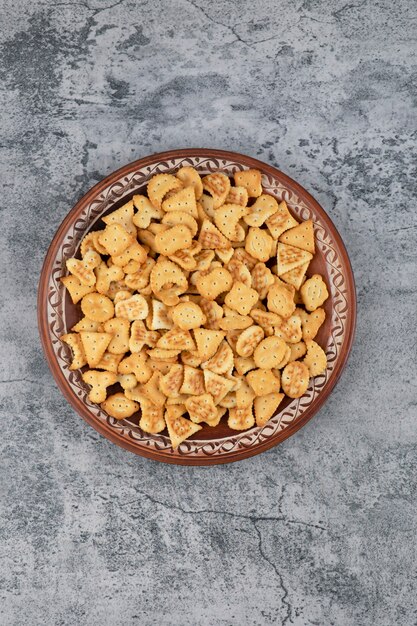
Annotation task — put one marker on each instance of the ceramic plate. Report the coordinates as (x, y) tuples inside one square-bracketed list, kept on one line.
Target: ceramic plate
[(57, 314)]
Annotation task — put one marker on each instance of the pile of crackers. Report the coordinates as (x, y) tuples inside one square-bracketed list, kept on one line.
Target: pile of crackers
[(195, 302)]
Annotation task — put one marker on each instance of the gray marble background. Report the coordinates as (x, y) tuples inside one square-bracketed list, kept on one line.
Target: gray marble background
[(322, 529)]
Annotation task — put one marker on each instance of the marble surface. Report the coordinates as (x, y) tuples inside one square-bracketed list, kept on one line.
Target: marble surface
[(322, 529)]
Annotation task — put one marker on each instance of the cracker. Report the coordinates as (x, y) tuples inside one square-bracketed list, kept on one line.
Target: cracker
[(227, 219), (175, 218), (211, 238), (133, 308), (179, 428), (193, 383), (261, 210), (280, 300), (311, 322), (127, 381), (258, 244), (266, 406), (240, 272), (99, 381), (208, 342), (244, 364), (134, 252), (248, 340), (94, 345), (79, 359), (136, 364), (188, 315), (295, 276), (159, 186), (122, 216), (120, 331), (289, 257), (106, 275), (290, 330), (262, 279), (251, 180), (172, 382), (229, 401), (269, 352), (315, 358), (244, 395), (140, 279), (152, 389), (237, 195), (222, 361), (162, 354), (140, 336), (84, 269), (170, 241), (207, 205), (280, 221), (91, 242), (225, 255), (86, 324), (241, 419), (165, 272), (295, 378), (159, 318), (115, 239), (263, 382), (301, 236), (212, 311), (218, 186), (119, 407), (152, 418), (244, 257), (146, 211), (241, 298), (182, 200), (75, 288), (266, 319), (216, 385), (314, 292), (234, 321), (285, 359), (201, 408), (298, 350), (214, 283), (191, 178), (204, 259), (191, 357), (176, 339), (109, 362)]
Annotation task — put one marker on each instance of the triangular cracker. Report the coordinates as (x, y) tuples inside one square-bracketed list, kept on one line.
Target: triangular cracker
[(289, 257), (211, 238), (217, 386), (75, 288), (295, 277), (265, 407), (179, 428), (95, 345), (183, 200), (280, 221), (207, 342), (302, 236), (122, 216)]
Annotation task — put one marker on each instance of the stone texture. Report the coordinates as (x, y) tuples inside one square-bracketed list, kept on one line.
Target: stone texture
[(322, 529)]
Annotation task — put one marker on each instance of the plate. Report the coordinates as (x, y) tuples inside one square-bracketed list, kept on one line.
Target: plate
[(57, 314)]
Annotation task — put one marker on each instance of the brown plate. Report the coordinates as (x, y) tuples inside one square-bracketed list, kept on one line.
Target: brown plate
[(56, 312)]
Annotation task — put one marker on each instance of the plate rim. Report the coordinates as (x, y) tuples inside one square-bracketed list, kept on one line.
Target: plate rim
[(77, 403)]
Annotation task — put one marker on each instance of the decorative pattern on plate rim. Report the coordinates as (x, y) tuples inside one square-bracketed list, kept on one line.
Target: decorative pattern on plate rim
[(125, 187)]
